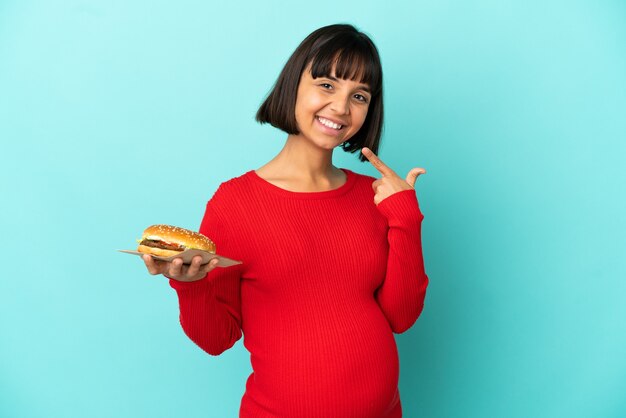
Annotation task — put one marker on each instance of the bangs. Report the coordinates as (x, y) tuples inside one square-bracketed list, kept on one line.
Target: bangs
[(352, 59)]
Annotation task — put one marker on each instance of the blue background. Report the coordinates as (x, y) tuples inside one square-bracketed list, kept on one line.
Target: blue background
[(115, 115)]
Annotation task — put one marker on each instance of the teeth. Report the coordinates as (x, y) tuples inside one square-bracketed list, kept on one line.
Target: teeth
[(328, 123)]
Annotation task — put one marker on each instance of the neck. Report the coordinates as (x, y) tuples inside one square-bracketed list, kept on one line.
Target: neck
[(299, 158), (303, 167)]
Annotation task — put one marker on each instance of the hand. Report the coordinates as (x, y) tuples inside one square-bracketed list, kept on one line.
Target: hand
[(390, 182), (176, 270)]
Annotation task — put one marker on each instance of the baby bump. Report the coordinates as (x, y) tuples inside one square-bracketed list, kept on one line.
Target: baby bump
[(349, 364)]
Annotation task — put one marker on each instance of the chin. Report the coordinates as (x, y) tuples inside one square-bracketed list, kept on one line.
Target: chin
[(330, 147)]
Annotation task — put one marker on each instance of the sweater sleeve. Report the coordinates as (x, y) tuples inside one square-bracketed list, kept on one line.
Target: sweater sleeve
[(401, 296), (210, 308)]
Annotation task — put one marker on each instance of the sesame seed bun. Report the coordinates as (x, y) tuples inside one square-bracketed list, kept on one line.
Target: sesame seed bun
[(168, 240)]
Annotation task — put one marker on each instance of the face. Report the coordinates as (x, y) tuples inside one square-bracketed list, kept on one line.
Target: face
[(330, 111)]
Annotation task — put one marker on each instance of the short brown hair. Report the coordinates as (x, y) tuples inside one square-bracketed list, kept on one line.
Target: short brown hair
[(352, 55)]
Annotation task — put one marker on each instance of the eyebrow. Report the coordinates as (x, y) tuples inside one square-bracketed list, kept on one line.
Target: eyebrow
[(361, 86)]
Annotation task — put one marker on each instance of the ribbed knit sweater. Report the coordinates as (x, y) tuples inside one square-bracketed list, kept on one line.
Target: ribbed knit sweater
[(327, 278)]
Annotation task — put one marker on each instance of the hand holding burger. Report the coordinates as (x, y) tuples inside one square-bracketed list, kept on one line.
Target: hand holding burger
[(166, 241)]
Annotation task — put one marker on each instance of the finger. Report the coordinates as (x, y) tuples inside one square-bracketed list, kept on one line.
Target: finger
[(206, 268), (195, 266), (377, 162), (150, 264), (413, 175), (376, 184), (154, 266), (209, 266), (176, 267)]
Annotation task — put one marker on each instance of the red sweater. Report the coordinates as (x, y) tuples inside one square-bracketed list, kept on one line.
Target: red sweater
[(327, 278)]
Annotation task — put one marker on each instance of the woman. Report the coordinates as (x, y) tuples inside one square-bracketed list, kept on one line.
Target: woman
[(332, 260)]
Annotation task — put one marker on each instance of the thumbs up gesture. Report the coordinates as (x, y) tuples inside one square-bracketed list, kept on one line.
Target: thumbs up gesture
[(390, 182)]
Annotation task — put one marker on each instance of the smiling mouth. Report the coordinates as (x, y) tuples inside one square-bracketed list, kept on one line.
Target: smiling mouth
[(328, 123)]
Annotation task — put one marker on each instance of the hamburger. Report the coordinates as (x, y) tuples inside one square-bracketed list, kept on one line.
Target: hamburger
[(167, 241)]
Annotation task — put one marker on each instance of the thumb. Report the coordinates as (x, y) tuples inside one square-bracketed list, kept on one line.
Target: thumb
[(413, 175)]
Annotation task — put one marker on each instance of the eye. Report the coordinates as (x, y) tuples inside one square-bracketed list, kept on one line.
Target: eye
[(326, 86), (360, 98)]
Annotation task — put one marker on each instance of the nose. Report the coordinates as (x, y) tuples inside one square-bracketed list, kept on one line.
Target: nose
[(341, 105)]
